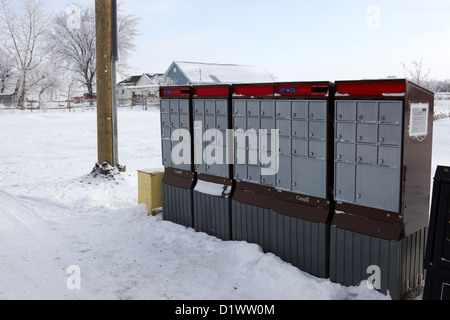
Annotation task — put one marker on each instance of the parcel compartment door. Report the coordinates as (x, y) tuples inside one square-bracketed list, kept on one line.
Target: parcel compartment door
[(344, 188), (378, 187)]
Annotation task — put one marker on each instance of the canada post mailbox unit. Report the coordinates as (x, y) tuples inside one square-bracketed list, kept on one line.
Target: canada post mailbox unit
[(437, 257), (283, 196), (214, 186), (383, 142), (176, 131)]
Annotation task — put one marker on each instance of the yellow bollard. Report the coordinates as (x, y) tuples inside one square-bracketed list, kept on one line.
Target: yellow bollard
[(149, 185)]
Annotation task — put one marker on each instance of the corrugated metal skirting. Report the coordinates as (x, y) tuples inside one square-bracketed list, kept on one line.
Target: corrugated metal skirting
[(212, 215), (177, 205), (302, 243), (400, 262)]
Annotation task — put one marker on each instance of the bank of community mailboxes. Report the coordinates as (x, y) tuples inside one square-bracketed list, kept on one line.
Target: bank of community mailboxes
[(179, 178), (332, 177), (282, 201), (214, 186), (383, 143)]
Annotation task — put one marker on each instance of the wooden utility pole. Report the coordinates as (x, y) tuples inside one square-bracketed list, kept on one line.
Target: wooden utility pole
[(106, 109)]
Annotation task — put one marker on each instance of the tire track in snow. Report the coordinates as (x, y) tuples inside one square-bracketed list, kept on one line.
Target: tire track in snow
[(34, 252), (13, 213)]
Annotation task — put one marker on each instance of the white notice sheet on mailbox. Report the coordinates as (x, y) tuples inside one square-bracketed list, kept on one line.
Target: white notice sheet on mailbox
[(418, 125)]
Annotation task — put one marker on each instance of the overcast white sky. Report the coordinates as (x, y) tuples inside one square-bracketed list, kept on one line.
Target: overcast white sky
[(293, 39)]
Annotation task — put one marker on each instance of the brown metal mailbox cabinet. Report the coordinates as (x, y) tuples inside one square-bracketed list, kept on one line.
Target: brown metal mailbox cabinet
[(212, 165), (382, 159), (287, 210), (176, 132)]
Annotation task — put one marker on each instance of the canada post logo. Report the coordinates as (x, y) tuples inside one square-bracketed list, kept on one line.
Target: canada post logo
[(288, 90)]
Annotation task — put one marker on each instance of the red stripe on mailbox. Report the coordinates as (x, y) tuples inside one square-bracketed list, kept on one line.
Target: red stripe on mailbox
[(254, 90), (370, 89), (211, 91)]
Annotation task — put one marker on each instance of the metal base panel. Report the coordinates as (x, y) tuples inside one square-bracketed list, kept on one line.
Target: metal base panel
[(355, 257), (177, 205), (212, 215), (302, 243)]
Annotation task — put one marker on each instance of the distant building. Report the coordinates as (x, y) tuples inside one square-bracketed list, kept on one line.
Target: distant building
[(8, 99), (139, 89), (194, 73)]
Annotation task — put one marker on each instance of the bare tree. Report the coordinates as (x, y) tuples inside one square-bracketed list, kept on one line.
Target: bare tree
[(416, 73), (47, 81), (23, 38), (75, 47), (127, 32), (6, 71)]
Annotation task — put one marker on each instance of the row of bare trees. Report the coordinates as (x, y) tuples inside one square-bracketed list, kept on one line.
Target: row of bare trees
[(417, 73), (47, 53)]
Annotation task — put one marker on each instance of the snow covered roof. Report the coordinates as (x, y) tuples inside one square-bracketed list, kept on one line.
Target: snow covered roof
[(207, 73), (152, 79), (130, 81), (155, 78)]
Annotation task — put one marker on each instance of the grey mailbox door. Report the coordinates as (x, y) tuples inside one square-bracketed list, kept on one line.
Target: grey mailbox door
[(368, 144), (175, 115), (378, 187), (214, 117), (302, 149)]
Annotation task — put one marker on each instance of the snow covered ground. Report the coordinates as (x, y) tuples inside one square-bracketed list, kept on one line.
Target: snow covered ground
[(442, 105), (54, 215)]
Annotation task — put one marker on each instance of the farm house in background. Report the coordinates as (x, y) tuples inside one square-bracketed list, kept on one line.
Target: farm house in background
[(139, 89), (190, 73)]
